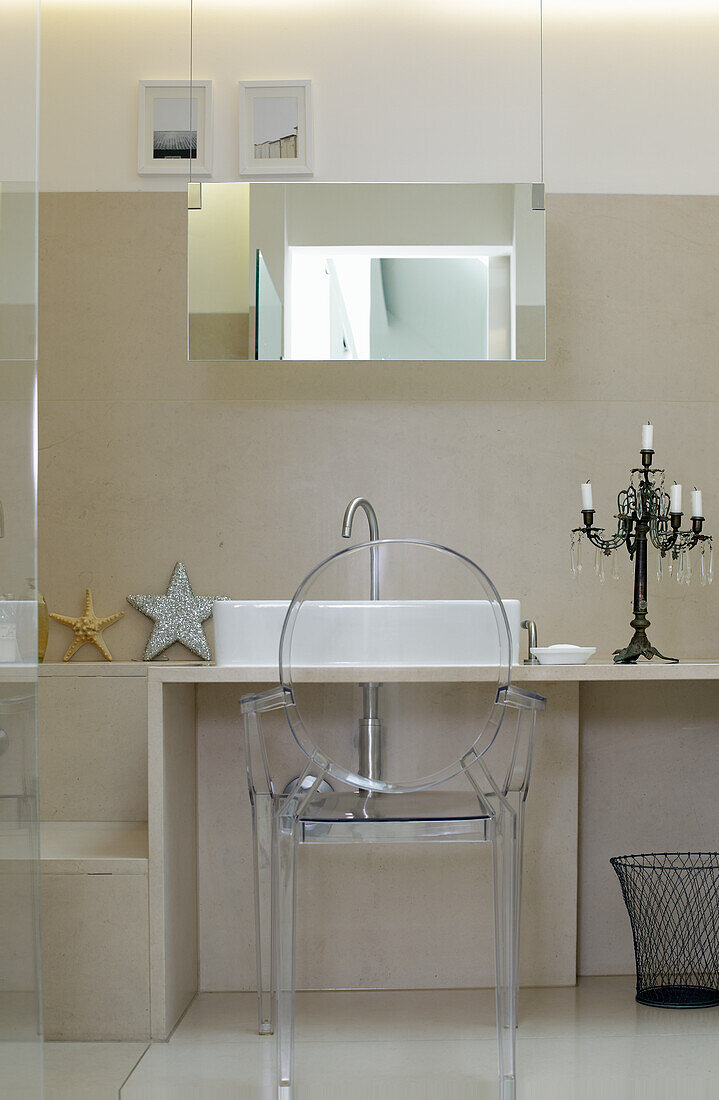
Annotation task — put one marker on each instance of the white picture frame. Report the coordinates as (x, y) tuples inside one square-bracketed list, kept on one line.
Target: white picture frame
[(174, 118), (268, 108)]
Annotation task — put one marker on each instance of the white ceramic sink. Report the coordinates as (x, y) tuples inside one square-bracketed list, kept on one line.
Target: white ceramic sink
[(393, 632)]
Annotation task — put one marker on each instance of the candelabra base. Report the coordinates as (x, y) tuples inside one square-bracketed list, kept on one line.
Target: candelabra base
[(640, 646)]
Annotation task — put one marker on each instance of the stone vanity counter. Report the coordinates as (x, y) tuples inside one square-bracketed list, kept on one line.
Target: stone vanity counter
[(194, 672)]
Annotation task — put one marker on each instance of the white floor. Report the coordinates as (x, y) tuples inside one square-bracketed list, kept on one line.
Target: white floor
[(590, 1043)]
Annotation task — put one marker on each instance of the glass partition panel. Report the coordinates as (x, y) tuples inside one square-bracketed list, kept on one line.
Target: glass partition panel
[(20, 1012), (18, 269), (369, 271), (18, 180)]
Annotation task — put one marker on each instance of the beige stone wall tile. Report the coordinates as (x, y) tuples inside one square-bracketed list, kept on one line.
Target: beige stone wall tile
[(93, 748), (250, 497), (108, 265), (631, 296), (648, 774), (95, 957), (630, 311)]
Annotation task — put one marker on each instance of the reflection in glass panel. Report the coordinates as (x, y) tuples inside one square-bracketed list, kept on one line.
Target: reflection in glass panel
[(20, 1032), (268, 326), (20, 1013), (18, 180), (18, 270), (20, 1051), (219, 273), (375, 271)]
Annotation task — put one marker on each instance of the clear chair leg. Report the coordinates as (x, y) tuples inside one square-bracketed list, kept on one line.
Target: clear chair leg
[(262, 836), (519, 858), (504, 853), (285, 839)]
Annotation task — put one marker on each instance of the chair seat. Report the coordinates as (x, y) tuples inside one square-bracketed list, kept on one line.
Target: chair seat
[(350, 806)]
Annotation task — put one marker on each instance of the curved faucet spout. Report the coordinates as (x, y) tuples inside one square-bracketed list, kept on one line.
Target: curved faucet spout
[(370, 725), (362, 502)]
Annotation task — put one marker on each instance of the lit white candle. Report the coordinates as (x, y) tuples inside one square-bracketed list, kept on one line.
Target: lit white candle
[(675, 498), (647, 437), (697, 502), (587, 505)]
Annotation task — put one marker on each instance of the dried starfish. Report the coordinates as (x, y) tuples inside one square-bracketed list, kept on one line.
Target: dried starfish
[(88, 628)]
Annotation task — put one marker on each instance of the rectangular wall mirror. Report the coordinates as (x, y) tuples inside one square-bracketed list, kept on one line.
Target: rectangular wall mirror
[(323, 271)]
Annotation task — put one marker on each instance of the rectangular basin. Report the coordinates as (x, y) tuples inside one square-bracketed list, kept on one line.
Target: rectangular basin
[(362, 632)]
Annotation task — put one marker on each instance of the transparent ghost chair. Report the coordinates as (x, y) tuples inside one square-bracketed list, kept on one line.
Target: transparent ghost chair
[(394, 668)]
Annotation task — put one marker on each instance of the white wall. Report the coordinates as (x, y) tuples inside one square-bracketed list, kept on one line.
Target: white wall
[(440, 90), (630, 96)]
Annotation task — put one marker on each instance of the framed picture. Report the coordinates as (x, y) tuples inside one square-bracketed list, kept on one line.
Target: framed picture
[(275, 127), (174, 134)]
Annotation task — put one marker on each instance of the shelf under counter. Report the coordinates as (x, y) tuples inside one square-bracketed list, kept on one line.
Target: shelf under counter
[(76, 847)]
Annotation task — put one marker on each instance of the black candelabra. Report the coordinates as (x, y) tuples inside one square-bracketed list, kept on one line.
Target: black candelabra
[(645, 511)]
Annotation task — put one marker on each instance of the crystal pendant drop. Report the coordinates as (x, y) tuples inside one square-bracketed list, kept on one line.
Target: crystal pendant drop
[(601, 569), (660, 567), (702, 567), (670, 566), (710, 570), (680, 567), (572, 564), (615, 566), (578, 557), (597, 560), (687, 568)]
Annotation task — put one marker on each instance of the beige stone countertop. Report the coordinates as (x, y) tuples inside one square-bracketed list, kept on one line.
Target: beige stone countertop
[(17, 673), (190, 672), (94, 668)]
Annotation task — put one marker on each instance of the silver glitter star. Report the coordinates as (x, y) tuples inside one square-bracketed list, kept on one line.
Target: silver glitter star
[(178, 616)]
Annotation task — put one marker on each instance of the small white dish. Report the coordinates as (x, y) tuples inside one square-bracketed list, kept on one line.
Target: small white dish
[(563, 654)]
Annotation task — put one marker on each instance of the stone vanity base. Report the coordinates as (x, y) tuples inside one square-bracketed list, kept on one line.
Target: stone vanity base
[(149, 898)]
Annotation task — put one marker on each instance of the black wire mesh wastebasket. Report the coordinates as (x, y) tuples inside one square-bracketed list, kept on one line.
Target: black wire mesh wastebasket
[(673, 904)]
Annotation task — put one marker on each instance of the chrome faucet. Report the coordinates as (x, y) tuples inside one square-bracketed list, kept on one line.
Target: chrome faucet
[(370, 724), (531, 627), (362, 502)]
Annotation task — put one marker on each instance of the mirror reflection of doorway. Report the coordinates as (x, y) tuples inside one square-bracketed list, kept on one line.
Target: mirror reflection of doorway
[(418, 304)]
